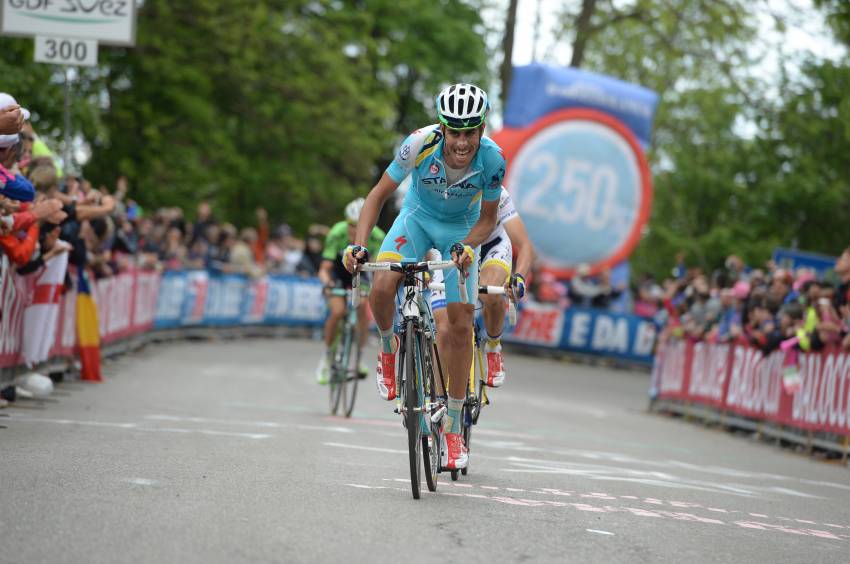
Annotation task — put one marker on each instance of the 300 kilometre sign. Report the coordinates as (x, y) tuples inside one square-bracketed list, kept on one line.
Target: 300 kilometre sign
[(108, 21)]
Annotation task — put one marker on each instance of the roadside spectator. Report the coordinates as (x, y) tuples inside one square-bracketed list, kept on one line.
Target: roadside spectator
[(241, 257)]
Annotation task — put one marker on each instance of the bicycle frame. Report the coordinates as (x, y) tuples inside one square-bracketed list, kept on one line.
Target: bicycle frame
[(416, 379)]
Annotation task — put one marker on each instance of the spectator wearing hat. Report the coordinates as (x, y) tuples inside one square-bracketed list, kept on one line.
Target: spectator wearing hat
[(12, 115)]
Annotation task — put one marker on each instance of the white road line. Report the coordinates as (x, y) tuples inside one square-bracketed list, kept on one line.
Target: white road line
[(141, 481), (136, 427), (598, 532), (264, 424), (371, 449)]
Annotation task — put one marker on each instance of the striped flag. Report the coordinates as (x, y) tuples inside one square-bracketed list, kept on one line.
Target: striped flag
[(88, 330), (41, 316)]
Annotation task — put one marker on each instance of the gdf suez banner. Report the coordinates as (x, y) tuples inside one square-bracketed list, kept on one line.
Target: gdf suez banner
[(201, 298), (586, 331), (811, 391), (574, 143)]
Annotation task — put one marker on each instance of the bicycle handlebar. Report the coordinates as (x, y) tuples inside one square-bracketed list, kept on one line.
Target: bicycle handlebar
[(403, 268), (494, 290)]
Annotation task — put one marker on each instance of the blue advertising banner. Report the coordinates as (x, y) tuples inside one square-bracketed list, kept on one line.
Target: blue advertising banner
[(197, 298), (537, 90), (586, 331), (793, 259)]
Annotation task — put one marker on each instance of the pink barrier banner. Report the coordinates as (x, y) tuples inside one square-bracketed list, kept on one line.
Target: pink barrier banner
[(13, 293), (742, 380), (126, 303)]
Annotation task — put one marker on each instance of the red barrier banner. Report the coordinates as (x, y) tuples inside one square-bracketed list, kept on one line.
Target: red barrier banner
[(823, 401), (126, 306), (539, 325), (12, 305), (742, 380)]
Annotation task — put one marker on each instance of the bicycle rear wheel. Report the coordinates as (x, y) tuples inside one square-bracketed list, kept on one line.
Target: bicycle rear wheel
[(480, 362), (335, 383), (352, 356), (430, 442), (411, 404)]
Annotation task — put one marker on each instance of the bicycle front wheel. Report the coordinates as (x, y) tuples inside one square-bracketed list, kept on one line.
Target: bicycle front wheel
[(352, 356), (335, 382), (412, 404)]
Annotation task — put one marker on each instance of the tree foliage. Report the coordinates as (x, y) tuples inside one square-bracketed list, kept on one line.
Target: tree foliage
[(293, 105), (735, 169)]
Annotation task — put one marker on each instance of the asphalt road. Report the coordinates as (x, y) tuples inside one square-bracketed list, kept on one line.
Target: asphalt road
[(224, 452)]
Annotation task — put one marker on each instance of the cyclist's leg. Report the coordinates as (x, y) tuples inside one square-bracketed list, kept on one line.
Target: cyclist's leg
[(458, 350), (405, 239), (495, 271), (336, 311)]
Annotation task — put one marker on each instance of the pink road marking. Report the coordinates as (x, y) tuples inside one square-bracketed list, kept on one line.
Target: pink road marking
[(685, 504), (637, 512), (586, 507), (597, 496), (643, 512), (509, 500), (783, 529), (534, 502), (555, 491), (653, 501), (805, 521), (691, 517)]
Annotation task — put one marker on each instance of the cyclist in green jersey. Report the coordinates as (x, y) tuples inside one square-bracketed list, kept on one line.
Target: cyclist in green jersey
[(333, 274)]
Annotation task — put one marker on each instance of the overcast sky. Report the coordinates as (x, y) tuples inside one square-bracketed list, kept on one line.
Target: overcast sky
[(806, 30)]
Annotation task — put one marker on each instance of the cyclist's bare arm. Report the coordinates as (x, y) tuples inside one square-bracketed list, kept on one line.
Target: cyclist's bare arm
[(375, 201), (485, 224), (325, 272), (515, 229)]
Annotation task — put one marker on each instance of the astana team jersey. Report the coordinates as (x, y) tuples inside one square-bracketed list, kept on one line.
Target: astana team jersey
[(420, 156), (436, 214)]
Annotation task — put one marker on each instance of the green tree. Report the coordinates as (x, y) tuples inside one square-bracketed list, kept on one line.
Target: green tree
[(290, 105)]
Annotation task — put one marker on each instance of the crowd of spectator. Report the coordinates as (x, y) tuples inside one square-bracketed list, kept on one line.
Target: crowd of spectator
[(767, 308), (46, 209)]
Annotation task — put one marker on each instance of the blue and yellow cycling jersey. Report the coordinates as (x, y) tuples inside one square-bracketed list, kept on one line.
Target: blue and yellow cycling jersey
[(420, 155)]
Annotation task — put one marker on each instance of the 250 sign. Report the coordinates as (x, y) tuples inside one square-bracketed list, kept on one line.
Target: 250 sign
[(581, 181)]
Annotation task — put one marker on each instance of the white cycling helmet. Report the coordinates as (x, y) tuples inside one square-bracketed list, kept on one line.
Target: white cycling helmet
[(352, 210), (462, 106)]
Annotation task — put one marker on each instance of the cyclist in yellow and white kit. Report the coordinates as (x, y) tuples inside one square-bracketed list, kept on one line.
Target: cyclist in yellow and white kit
[(452, 205), (495, 270)]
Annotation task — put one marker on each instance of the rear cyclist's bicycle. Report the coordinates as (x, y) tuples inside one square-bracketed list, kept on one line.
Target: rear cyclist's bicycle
[(476, 392), (345, 358), (419, 369)]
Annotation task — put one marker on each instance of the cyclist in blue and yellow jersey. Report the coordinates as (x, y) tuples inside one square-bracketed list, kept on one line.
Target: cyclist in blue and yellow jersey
[(496, 268), (451, 205), (333, 274)]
